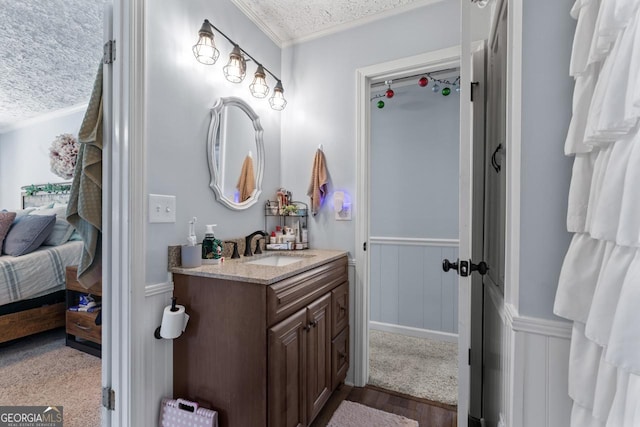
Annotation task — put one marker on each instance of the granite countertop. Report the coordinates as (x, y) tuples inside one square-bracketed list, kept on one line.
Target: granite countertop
[(240, 270)]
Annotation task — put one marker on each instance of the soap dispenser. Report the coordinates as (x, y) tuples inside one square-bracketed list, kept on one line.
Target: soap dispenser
[(211, 247)]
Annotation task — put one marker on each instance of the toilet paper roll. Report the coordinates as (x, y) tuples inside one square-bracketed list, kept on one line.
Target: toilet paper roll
[(173, 322)]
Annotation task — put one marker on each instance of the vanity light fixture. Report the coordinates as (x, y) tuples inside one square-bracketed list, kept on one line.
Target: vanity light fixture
[(235, 71), (205, 50), (259, 87), (277, 100)]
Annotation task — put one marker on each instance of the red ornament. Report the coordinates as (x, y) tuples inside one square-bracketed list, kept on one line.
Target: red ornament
[(423, 81), (390, 93)]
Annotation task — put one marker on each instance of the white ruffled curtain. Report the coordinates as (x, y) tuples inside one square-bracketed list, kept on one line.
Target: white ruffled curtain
[(599, 285)]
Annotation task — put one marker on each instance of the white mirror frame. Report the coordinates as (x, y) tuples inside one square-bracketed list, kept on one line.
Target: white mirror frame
[(216, 113)]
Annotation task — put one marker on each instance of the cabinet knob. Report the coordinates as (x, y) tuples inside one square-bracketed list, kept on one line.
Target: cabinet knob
[(313, 323), (307, 327), (342, 355)]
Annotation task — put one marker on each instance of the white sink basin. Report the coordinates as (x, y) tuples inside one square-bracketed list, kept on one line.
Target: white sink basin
[(276, 260)]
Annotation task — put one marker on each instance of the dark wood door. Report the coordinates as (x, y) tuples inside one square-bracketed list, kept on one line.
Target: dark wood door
[(287, 380), (319, 355)]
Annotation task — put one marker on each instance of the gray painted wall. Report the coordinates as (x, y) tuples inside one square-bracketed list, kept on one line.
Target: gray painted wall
[(546, 110), (414, 164), (321, 76), (180, 91), (24, 154)]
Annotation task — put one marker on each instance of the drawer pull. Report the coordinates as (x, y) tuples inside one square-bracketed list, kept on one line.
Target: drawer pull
[(342, 308), (307, 327), (84, 328), (314, 323), (342, 355)]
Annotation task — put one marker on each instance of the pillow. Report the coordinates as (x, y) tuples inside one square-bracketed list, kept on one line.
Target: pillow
[(25, 211), (6, 219), (62, 230), (27, 234)]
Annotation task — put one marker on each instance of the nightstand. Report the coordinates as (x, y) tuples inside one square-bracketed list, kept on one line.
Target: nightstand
[(82, 332)]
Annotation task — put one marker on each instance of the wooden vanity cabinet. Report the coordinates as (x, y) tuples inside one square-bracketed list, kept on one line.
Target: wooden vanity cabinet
[(263, 355)]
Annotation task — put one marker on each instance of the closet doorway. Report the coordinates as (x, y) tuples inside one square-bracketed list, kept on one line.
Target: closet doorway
[(469, 377), (414, 166)]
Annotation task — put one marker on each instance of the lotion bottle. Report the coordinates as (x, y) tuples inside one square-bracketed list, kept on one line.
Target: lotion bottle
[(211, 247)]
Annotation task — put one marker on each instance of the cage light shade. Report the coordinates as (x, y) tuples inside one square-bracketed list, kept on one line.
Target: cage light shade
[(205, 49), (236, 69), (259, 87), (277, 100)]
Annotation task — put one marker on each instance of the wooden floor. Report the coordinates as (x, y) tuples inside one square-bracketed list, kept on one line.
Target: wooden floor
[(428, 414)]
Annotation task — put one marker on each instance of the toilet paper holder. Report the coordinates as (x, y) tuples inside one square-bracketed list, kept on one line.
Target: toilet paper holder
[(173, 308)]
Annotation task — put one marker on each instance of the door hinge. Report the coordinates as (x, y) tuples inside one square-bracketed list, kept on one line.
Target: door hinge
[(469, 357), (471, 86), (109, 398), (109, 52)]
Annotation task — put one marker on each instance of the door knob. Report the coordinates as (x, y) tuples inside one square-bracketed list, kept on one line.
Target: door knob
[(448, 265), (481, 267)]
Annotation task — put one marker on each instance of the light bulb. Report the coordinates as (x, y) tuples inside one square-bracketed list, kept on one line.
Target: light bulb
[(277, 100), (205, 49), (236, 69), (259, 87)]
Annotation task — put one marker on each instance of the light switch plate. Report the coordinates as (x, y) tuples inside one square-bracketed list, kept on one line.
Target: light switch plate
[(345, 213), (162, 208)]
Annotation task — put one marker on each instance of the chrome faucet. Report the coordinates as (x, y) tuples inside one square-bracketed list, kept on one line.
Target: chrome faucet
[(247, 241)]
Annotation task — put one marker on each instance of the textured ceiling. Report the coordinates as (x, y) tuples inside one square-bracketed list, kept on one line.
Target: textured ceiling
[(49, 53), (49, 49), (287, 21)]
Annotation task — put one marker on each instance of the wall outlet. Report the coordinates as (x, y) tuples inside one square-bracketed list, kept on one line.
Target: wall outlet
[(345, 213), (162, 208)]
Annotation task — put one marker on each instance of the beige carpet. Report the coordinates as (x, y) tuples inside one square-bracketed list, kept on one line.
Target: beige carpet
[(351, 414), (415, 366), (41, 370)]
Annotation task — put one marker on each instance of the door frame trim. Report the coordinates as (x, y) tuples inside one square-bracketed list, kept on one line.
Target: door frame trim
[(446, 57)]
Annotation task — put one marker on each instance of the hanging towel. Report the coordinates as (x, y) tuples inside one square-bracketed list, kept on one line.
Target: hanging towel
[(319, 180), (84, 210), (247, 181)]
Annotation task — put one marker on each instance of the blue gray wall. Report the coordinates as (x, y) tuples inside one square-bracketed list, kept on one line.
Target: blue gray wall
[(546, 110), (321, 89), (180, 91), (24, 153), (414, 164)]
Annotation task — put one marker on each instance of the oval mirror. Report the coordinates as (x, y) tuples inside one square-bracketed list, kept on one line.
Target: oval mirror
[(235, 151)]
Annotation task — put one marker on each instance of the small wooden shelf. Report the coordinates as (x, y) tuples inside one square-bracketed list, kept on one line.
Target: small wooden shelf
[(82, 332)]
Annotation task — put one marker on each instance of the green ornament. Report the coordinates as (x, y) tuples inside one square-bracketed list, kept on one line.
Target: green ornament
[(446, 91), (380, 104)]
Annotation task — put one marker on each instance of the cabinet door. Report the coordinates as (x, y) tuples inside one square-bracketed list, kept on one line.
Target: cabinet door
[(287, 361), (319, 356), (340, 315)]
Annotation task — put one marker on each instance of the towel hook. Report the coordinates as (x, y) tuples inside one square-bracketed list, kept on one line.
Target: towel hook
[(320, 147)]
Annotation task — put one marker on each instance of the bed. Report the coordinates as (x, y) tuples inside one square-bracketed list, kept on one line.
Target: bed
[(32, 286)]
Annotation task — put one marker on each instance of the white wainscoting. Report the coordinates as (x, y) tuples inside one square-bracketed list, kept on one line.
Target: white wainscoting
[(408, 286), (530, 375), (158, 354)]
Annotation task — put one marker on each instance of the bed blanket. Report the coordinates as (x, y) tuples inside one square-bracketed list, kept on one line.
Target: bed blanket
[(38, 273)]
